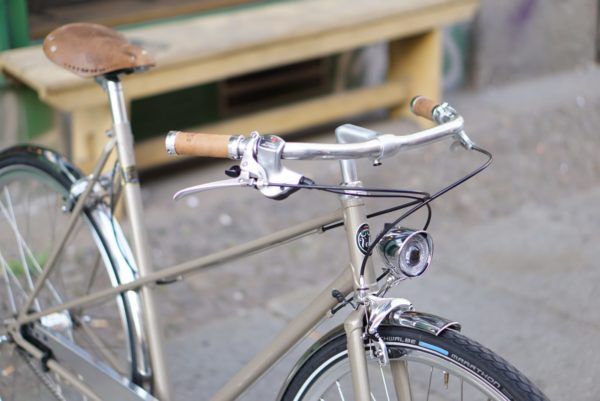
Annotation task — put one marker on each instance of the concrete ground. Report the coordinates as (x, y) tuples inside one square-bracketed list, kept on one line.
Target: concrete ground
[(516, 248), (516, 259)]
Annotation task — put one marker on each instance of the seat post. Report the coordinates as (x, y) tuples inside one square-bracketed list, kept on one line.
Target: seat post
[(133, 202)]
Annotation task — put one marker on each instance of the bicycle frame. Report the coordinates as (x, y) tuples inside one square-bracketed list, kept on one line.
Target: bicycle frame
[(352, 213)]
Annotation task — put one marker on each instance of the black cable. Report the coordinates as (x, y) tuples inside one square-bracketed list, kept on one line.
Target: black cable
[(427, 202), (367, 193), (349, 300), (417, 204), (357, 191), (386, 211)]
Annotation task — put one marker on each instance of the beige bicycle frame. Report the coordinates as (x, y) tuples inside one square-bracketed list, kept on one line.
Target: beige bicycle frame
[(351, 213)]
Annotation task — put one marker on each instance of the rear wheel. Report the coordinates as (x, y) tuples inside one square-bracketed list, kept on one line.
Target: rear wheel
[(34, 210), (422, 367)]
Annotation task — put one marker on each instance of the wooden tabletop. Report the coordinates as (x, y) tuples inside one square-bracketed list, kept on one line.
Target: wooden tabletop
[(208, 48)]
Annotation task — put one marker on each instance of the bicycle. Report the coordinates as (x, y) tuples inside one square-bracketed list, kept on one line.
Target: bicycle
[(81, 320)]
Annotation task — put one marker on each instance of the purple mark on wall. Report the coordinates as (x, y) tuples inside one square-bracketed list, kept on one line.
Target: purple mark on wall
[(522, 13), (518, 20)]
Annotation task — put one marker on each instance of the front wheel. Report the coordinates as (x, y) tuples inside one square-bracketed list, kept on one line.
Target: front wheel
[(449, 366)]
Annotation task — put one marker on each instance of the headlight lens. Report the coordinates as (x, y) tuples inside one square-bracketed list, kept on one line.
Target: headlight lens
[(406, 252)]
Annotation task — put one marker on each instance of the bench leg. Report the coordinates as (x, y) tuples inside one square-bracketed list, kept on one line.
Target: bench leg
[(88, 136), (418, 60)]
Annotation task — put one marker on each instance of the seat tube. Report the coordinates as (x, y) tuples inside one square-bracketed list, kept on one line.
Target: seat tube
[(133, 201)]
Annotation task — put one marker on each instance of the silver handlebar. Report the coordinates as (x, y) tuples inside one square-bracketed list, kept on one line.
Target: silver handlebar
[(261, 155), (381, 147)]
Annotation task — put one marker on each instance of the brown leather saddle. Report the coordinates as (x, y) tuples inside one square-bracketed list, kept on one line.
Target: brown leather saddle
[(91, 50)]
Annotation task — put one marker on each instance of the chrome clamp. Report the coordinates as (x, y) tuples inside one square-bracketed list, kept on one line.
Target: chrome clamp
[(445, 113), (380, 308)]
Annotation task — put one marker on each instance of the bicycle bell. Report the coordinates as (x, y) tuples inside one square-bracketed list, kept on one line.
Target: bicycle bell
[(406, 252)]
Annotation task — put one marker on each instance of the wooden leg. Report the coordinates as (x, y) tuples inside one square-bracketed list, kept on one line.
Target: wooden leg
[(88, 136), (417, 59)]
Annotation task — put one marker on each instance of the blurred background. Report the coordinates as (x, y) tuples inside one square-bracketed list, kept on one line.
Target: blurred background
[(517, 260)]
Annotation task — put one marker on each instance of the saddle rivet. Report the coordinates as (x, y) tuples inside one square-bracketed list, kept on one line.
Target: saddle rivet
[(53, 48)]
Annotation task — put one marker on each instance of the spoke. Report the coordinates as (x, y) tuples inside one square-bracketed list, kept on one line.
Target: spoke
[(54, 217), (429, 385), (373, 397), (387, 394), (12, 218), (30, 255), (99, 344), (11, 274), (93, 275), (337, 383), (11, 297), (462, 393)]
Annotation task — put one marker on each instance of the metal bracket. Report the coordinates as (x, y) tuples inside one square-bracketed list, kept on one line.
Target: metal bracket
[(79, 187)]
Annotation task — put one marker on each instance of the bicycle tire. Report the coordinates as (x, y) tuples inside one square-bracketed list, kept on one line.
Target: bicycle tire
[(469, 367), (42, 177)]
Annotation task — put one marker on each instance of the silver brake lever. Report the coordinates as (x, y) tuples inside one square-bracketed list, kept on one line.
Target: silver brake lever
[(230, 183)]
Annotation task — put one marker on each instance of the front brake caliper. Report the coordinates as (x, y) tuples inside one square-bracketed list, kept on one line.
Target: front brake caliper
[(378, 309)]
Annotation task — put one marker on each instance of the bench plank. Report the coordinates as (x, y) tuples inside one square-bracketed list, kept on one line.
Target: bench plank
[(210, 48), (215, 47)]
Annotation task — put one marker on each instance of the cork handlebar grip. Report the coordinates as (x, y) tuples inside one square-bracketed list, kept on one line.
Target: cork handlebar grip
[(423, 107), (196, 144)]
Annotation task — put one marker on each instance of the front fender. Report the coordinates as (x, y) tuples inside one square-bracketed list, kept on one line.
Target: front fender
[(426, 322)]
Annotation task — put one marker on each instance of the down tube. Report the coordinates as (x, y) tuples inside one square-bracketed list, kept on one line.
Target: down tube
[(292, 333)]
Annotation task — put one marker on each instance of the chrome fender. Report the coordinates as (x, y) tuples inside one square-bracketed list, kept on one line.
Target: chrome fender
[(426, 322), (421, 321), (118, 252)]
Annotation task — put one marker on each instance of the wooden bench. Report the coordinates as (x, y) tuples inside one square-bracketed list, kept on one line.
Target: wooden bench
[(211, 48)]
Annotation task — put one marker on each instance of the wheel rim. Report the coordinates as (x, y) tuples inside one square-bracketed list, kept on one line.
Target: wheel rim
[(31, 221)]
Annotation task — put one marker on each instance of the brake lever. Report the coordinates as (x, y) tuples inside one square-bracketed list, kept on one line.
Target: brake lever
[(230, 183), (260, 165)]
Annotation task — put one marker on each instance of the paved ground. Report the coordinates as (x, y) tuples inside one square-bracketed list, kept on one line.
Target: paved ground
[(516, 257), (516, 249)]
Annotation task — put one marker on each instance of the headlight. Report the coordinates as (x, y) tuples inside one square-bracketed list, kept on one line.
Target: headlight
[(406, 252)]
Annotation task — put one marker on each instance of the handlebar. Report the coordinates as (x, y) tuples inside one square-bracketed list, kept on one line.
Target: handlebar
[(197, 144), (382, 146)]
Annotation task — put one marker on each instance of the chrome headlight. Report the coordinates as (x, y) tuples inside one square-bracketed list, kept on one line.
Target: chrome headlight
[(406, 252)]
